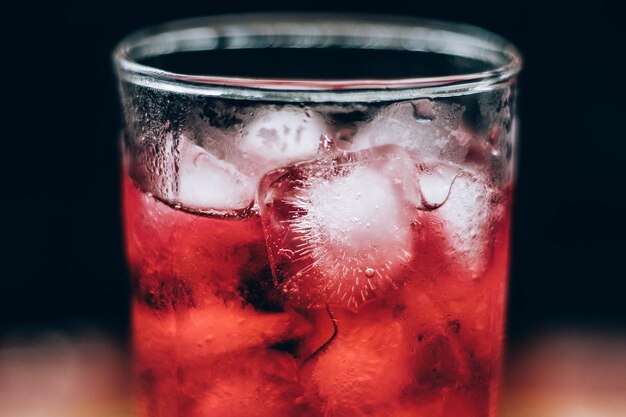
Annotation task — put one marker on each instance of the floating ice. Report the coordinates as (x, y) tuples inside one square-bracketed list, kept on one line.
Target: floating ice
[(345, 224), (202, 338), (427, 128), (350, 215), (365, 368), (248, 384), (464, 211), (206, 182), (435, 181), (280, 137)]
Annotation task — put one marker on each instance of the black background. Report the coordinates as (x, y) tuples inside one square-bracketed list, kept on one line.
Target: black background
[(62, 262)]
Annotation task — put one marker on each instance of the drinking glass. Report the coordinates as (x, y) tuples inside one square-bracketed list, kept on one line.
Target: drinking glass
[(317, 215)]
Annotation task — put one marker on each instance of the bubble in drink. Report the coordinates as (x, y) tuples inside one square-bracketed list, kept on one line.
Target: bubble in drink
[(338, 227)]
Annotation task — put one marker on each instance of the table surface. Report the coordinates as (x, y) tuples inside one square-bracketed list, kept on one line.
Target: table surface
[(563, 373)]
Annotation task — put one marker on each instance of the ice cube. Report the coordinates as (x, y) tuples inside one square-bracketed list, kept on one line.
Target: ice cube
[(462, 203), (338, 230), (435, 182), (437, 366), (154, 338), (364, 370), (200, 335), (206, 182), (180, 260), (250, 384), (440, 345), (155, 389), (279, 137), (427, 128), (203, 334)]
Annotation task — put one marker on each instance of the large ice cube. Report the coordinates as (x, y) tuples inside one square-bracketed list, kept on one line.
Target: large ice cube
[(338, 229)]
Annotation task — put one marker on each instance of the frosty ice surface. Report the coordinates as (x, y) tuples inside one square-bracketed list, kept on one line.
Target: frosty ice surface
[(338, 227)]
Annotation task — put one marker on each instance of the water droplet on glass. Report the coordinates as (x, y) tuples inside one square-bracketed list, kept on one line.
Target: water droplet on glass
[(494, 139)]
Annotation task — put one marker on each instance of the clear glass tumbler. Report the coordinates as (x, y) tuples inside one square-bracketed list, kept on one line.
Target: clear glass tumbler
[(317, 215)]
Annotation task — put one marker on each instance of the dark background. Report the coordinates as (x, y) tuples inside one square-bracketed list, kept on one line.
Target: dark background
[(62, 262)]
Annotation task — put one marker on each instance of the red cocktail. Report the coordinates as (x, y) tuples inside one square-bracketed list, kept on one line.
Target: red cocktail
[(366, 305), (318, 248)]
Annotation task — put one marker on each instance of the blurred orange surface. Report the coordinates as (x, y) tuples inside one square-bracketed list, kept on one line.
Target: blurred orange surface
[(567, 373), (53, 375), (560, 374)]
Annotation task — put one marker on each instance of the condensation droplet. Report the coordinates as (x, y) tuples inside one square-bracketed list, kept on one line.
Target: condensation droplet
[(494, 140), (369, 272)]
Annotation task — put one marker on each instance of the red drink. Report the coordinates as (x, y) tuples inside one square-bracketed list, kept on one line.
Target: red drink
[(317, 215), (378, 297)]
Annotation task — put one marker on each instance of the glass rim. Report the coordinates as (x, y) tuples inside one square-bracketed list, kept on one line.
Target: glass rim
[(317, 30)]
